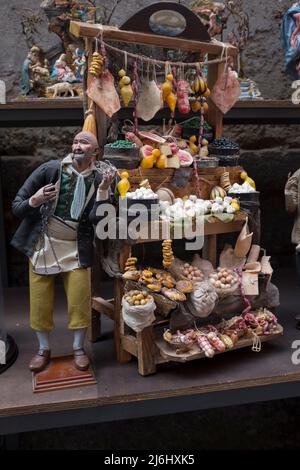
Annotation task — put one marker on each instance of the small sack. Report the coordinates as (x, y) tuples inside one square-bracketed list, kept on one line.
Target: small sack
[(176, 268), (203, 300), (104, 93), (204, 265), (226, 90), (150, 100), (140, 316)]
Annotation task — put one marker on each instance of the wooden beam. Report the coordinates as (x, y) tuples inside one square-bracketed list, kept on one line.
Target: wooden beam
[(129, 344), (103, 306), (87, 30)]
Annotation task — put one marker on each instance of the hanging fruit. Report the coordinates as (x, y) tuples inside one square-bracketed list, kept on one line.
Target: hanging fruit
[(172, 100), (196, 106), (198, 84), (167, 86), (204, 105), (125, 87), (183, 91), (194, 149), (202, 86), (96, 65)]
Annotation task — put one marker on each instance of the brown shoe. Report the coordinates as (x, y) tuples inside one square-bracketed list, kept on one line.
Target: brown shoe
[(40, 361), (81, 361)]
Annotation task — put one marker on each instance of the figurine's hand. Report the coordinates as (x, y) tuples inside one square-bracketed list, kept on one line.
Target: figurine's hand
[(107, 179), (45, 194)]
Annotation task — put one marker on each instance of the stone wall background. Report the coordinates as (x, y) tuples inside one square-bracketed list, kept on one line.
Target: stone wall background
[(263, 58), (269, 152)]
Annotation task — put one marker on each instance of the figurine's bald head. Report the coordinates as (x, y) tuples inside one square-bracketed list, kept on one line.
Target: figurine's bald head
[(85, 145)]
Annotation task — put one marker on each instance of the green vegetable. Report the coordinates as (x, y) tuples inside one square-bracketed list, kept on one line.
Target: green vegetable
[(121, 144)]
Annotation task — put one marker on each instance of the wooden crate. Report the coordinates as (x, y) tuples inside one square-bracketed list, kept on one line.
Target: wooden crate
[(209, 178)]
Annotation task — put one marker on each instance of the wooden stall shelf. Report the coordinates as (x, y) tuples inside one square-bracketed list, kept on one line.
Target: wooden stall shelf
[(144, 345)]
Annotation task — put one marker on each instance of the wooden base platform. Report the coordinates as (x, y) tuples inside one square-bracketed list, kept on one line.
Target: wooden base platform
[(169, 353), (60, 374), (121, 393)]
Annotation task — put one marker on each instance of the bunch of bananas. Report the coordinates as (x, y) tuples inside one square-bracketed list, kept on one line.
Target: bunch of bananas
[(96, 64), (199, 85), (200, 92)]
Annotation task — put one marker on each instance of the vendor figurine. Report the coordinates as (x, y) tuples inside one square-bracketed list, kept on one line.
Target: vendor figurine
[(292, 203), (58, 204)]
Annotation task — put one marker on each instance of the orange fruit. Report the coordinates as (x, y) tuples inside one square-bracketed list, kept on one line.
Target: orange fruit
[(156, 153), (161, 162)]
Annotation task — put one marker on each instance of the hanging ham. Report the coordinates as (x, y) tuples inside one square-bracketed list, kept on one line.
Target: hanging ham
[(226, 91), (104, 94)]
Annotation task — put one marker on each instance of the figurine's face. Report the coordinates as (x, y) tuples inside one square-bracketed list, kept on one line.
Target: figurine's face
[(85, 145), (34, 57)]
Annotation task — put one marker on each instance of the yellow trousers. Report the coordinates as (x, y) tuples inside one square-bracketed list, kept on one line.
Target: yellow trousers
[(78, 292)]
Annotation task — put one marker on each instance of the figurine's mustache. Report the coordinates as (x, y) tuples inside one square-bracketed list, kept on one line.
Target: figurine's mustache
[(78, 153)]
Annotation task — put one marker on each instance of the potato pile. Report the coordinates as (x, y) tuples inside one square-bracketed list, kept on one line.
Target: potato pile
[(223, 278), (192, 273), (136, 298)]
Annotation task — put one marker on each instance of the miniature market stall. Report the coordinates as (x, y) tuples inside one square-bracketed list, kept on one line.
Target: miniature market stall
[(184, 174)]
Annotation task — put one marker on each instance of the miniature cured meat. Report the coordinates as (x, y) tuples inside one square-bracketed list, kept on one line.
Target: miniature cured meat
[(104, 94)]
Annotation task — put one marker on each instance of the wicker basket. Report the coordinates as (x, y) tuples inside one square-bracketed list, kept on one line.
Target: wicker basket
[(209, 162)]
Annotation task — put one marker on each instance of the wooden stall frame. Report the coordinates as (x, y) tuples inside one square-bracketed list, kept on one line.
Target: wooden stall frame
[(143, 345)]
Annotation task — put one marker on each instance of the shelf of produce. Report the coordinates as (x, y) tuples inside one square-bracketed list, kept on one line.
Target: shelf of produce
[(214, 227), (169, 353), (142, 345)]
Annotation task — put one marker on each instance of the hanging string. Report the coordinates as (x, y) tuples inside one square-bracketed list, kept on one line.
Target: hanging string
[(103, 51), (135, 87), (154, 73), (161, 62), (256, 345), (125, 61)]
